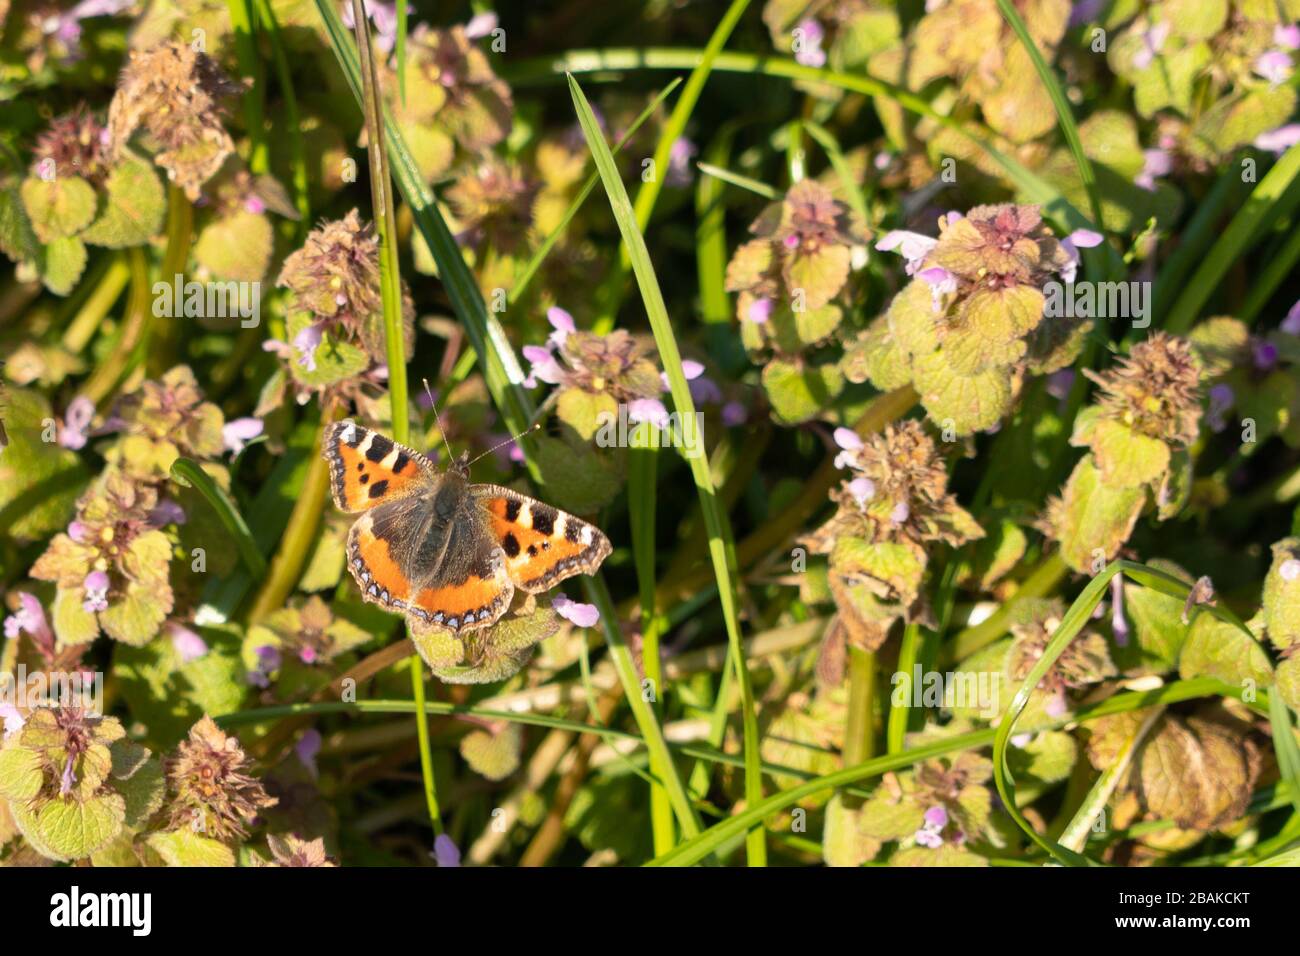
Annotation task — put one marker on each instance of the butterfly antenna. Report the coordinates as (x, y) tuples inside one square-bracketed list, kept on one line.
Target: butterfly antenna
[(438, 418), (502, 444)]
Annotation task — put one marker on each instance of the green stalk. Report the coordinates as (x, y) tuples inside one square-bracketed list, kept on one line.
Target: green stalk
[(250, 65), (1234, 241), (859, 737), (390, 280), (711, 238), (96, 305), (1064, 117), (721, 549), (908, 654), (643, 461), (501, 372), (648, 194), (755, 186), (301, 196)]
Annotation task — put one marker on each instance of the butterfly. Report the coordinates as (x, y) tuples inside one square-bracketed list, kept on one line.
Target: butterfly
[(440, 549)]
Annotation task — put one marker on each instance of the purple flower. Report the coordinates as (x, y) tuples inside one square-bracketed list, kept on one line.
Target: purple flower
[(1291, 324), (305, 343), (481, 26), (912, 246), (268, 661), (1265, 355), (382, 15), (1290, 569), (563, 324), (1085, 11), (705, 391), (13, 720), (1059, 383), (1221, 400), (238, 432), (583, 615), (1274, 66), (445, 851), (30, 619), (1153, 39), (900, 513), (1287, 36), (96, 587), (1118, 622), (647, 410), (679, 162), (930, 833), (734, 414), (68, 780), (543, 366), (1155, 163), (862, 490), (307, 747), (851, 442), (75, 422), (941, 282), (166, 512), (760, 310), (1279, 140), (1079, 239), (254, 205), (77, 532), (808, 43), (188, 645)]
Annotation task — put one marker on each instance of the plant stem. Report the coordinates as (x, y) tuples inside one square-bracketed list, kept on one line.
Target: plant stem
[(102, 298)]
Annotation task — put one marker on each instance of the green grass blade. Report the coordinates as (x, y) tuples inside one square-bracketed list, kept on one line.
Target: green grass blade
[(1284, 744), (670, 356), (390, 285), (188, 472), (1234, 242), (609, 62), (1194, 240), (1064, 117), (852, 194), (711, 238), (648, 194), (735, 179), (525, 277), (692, 851)]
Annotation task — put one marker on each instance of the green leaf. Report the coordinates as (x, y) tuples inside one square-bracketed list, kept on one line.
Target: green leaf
[(336, 361), (1094, 516), (236, 247), (62, 262), (186, 848), (483, 657), (492, 755), (66, 829), (20, 773), (58, 208), (133, 212), (39, 480), (966, 403), (800, 392), (1217, 649), (17, 239)]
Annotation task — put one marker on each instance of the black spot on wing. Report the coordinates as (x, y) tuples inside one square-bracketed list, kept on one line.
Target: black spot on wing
[(364, 478), (571, 530), (511, 545), (512, 510), (544, 519), (401, 461), (379, 448), (378, 488)]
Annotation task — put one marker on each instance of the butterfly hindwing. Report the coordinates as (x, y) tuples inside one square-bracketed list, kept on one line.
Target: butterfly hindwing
[(542, 545), (368, 469)]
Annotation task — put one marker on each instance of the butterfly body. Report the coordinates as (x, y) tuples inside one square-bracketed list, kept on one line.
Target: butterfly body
[(440, 549)]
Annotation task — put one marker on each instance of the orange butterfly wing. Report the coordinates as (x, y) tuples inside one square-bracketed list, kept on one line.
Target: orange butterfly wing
[(367, 468), (543, 545)]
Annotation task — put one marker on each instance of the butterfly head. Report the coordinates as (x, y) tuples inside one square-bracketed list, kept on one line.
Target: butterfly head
[(460, 466)]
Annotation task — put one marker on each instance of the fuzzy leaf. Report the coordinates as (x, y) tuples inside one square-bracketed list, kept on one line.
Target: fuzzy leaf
[(970, 403), (58, 208), (800, 392), (1215, 648), (66, 829), (236, 247), (492, 755), (62, 262), (185, 848), (1094, 516), (39, 480), (133, 212)]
